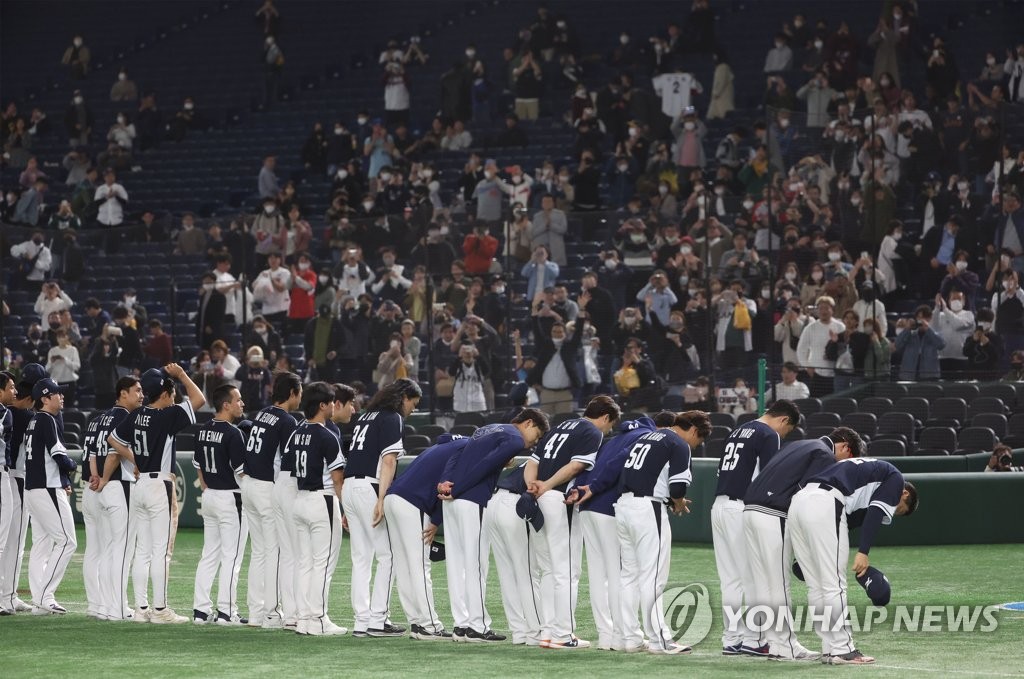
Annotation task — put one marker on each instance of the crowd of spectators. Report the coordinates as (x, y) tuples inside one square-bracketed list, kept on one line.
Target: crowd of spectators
[(782, 240)]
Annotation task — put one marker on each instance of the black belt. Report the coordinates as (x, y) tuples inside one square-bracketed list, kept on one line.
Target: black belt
[(361, 476), (825, 486), (153, 475), (734, 498)]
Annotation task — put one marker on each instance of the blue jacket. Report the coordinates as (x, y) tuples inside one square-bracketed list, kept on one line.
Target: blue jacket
[(920, 354), (474, 470), (418, 483), (603, 479), (529, 272)]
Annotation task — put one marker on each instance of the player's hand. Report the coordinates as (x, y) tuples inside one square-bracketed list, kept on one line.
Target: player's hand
[(378, 513), (860, 563), (572, 496), (444, 490), (536, 488), (136, 472), (681, 506), (174, 370), (68, 490), (101, 483), (429, 533), (94, 483), (344, 523), (586, 495)]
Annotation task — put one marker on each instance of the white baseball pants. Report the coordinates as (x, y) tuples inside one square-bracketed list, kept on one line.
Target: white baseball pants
[(224, 536), (258, 507), (645, 537), (411, 562), (119, 534), (318, 538), (467, 557), (92, 516), (731, 561), (152, 502), (53, 541), (512, 540), (368, 543), (14, 550), (604, 558), (286, 491)]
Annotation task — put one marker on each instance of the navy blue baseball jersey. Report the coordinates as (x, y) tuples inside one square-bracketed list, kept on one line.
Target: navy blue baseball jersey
[(6, 423), (417, 485), (264, 447), (747, 450), (317, 453), (474, 470), (514, 481), (376, 434), (786, 473), (219, 454), (868, 484), (603, 479), (97, 447), (45, 453), (658, 465), (572, 441), (333, 428), (20, 418), (150, 432)]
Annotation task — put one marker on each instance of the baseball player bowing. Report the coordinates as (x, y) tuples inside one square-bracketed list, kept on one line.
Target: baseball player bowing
[(467, 482), (865, 490), (372, 461), (768, 547), (146, 440), (219, 456), (271, 428), (565, 451), (747, 450), (320, 471), (510, 539), (46, 499), (595, 493), (413, 512), (110, 489), (655, 473)]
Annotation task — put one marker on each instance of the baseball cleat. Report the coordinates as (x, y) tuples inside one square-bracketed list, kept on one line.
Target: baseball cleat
[(474, 637), (229, 620), (6, 611), (200, 618), (323, 627), (637, 649), (20, 606), (544, 643), (51, 609), (756, 651), (358, 634), (826, 658), (166, 616), (854, 657), (273, 622), (423, 634), (254, 620), (671, 649), (571, 645), (735, 649), (302, 627), (388, 630), (141, 615)]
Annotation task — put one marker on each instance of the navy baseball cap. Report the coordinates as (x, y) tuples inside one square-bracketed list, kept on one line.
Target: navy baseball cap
[(45, 387), (437, 551), (876, 585), (152, 382), (527, 508), (32, 373)]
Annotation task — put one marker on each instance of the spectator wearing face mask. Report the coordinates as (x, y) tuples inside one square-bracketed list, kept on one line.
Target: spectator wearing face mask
[(124, 88), (1008, 306), (984, 349), (210, 318), (920, 345), (954, 324), (302, 306), (76, 58), (959, 277), (158, 350)]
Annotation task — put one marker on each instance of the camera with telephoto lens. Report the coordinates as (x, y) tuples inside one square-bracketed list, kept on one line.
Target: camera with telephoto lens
[(1006, 460)]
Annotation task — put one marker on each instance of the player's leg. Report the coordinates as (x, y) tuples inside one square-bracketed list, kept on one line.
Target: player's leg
[(653, 544), (234, 535), (727, 535), (19, 551), (575, 560), (358, 500), (258, 561), (405, 524), (285, 493), (556, 534), (121, 520), (43, 523), (507, 534), (598, 577), (306, 506), (6, 508), (7, 555), (540, 573), (206, 570), (162, 527), (264, 493), (456, 557), (626, 518), (810, 536), (58, 525), (834, 565), (325, 538), (142, 507), (431, 617), (95, 606), (383, 576), (478, 578)]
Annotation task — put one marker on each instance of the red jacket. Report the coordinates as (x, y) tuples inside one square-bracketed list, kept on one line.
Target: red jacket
[(479, 253), (303, 301)]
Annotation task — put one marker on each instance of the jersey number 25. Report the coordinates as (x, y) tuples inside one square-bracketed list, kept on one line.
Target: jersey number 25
[(731, 457)]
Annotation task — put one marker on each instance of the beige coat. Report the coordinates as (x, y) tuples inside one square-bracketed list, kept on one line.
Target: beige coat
[(722, 93)]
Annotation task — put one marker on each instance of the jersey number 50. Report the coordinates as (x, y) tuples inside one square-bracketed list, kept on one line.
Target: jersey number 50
[(637, 456), (731, 457)]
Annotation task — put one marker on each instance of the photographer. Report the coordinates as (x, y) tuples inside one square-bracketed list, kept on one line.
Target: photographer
[(983, 349), (1001, 460), (920, 345)]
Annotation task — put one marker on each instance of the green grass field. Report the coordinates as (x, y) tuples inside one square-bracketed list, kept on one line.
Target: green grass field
[(75, 645)]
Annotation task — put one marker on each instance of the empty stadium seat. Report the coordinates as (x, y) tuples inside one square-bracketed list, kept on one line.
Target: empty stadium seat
[(886, 448), (876, 405), (995, 421), (823, 419), (964, 390), (941, 438), (474, 419), (976, 440), (722, 419), (916, 406), (808, 405), (947, 412), (865, 424), (840, 405)]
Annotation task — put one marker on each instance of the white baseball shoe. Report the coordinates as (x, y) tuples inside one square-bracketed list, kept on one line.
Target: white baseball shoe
[(20, 606), (273, 622), (323, 627), (166, 616), (670, 649), (229, 620), (50, 609)]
